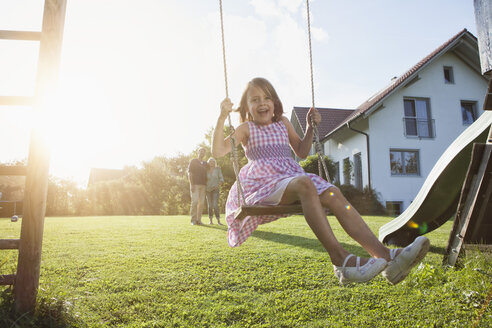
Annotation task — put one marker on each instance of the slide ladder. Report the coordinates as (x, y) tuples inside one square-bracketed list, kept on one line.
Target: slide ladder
[(473, 222)]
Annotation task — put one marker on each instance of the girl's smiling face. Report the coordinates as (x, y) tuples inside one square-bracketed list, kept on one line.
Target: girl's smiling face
[(260, 105)]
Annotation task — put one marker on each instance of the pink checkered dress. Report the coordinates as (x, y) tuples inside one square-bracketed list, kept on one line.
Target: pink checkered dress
[(269, 161)]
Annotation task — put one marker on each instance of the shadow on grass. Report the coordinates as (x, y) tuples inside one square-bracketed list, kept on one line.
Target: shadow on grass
[(303, 242), (297, 241), (52, 314), (214, 226), (308, 243), (437, 250)]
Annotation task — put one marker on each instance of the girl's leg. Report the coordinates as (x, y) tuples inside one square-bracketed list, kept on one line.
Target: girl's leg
[(302, 188), (400, 263), (352, 222)]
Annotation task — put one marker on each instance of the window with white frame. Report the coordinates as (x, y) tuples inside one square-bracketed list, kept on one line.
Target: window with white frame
[(417, 120), (468, 111), (448, 75), (404, 162)]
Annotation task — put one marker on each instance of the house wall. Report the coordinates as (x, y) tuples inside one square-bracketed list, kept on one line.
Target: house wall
[(386, 127), (347, 143)]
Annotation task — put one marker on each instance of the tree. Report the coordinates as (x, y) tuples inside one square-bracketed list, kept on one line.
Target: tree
[(161, 186), (166, 184), (12, 187)]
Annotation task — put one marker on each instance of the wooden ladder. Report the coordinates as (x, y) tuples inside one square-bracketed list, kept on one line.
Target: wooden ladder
[(26, 280), (472, 225)]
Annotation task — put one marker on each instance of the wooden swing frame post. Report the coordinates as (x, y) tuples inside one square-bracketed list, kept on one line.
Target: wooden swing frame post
[(472, 224), (31, 237)]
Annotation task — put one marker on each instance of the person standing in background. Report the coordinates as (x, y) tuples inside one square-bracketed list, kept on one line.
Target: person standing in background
[(214, 180), (197, 174)]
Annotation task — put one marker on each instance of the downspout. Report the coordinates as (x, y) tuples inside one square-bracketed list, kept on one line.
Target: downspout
[(368, 153)]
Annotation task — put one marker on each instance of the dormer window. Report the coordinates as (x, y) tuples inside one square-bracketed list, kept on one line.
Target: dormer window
[(448, 75)]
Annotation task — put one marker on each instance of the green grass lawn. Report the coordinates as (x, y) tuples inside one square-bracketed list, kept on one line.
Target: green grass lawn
[(159, 271)]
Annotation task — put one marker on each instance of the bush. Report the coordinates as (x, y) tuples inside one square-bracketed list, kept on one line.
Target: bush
[(365, 201), (310, 165)]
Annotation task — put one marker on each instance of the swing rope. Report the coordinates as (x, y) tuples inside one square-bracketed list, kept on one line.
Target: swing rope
[(321, 163), (235, 162), (317, 144)]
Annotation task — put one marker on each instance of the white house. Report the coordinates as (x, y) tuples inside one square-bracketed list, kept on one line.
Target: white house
[(392, 140)]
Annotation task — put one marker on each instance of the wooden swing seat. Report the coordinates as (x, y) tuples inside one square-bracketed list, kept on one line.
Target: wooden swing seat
[(256, 210)]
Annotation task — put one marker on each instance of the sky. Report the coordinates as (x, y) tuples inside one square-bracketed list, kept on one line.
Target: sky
[(140, 79)]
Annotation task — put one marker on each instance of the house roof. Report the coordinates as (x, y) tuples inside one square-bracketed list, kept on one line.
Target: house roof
[(99, 175), (463, 44), (330, 118)]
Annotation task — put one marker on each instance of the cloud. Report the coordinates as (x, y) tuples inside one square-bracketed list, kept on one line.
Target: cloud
[(291, 5), (319, 34), (266, 8)]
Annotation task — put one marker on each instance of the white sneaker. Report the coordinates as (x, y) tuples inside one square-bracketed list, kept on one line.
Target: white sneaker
[(359, 273), (400, 265)]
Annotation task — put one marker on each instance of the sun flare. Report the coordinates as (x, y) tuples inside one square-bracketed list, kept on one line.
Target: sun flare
[(77, 126)]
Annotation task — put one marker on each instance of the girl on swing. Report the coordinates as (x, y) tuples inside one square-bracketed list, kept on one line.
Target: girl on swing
[(273, 177)]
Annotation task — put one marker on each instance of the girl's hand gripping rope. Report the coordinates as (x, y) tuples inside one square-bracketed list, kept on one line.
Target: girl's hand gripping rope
[(225, 107), (313, 116)]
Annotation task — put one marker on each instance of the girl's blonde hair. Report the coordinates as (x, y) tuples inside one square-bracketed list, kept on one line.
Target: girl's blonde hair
[(267, 87)]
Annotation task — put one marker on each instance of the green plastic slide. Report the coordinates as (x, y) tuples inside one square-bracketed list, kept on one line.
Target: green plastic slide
[(438, 198)]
